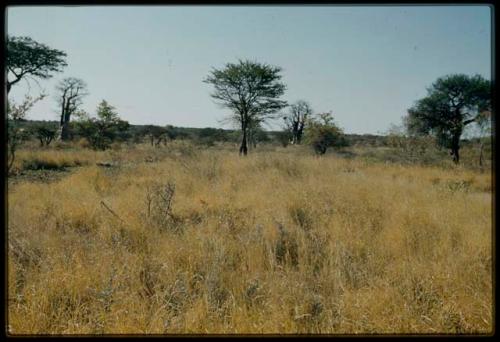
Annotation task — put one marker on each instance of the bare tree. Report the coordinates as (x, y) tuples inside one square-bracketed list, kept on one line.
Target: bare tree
[(71, 90), (296, 120), (16, 113)]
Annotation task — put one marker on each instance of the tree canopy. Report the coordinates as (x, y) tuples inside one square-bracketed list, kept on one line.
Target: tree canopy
[(27, 58), (251, 91), (452, 102)]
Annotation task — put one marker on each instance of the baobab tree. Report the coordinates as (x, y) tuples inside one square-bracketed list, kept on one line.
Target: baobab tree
[(296, 119), (71, 91), (251, 90)]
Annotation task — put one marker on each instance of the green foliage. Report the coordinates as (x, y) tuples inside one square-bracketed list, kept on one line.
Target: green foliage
[(100, 132), (180, 132), (258, 135), (251, 91), (452, 103), (249, 88), (44, 132), (283, 137), (28, 58), (209, 136), (322, 133)]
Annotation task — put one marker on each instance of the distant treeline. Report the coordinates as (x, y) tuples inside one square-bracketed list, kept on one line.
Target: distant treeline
[(208, 135), (157, 134)]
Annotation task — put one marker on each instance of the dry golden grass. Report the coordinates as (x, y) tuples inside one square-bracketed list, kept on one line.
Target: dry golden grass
[(270, 243)]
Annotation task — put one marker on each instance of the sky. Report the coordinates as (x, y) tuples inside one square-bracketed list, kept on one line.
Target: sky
[(367, 65)]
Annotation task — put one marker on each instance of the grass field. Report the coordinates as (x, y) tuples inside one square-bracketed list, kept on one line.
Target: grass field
[(186, 240)]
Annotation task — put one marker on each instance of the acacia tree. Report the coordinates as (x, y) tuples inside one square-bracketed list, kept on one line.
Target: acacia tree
[(27, 58), (296, 119), (71, 90), (251, 90), (452, 103)]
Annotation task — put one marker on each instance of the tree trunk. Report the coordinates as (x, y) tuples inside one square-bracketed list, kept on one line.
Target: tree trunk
[(12, 157), (63, 109), (295, 132), (455, 154), (64, 132), (252, 139), (64, 123), (249, 139), (10, 84), (299, 135), (455, 146), (243, 147), (481, 155), (65, 118)]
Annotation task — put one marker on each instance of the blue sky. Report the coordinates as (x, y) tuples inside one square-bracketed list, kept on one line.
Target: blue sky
[(365, 64)]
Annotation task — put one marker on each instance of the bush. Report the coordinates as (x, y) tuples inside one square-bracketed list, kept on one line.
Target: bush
[(322, 133), (100, 132), (283, 137), (41, 164), (44, 132)]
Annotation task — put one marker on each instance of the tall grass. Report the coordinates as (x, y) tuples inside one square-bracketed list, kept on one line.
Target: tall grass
[(270, 243)]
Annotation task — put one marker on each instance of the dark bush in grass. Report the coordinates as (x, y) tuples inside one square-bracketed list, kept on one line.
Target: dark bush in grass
[(40, 164), (48, 164)]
